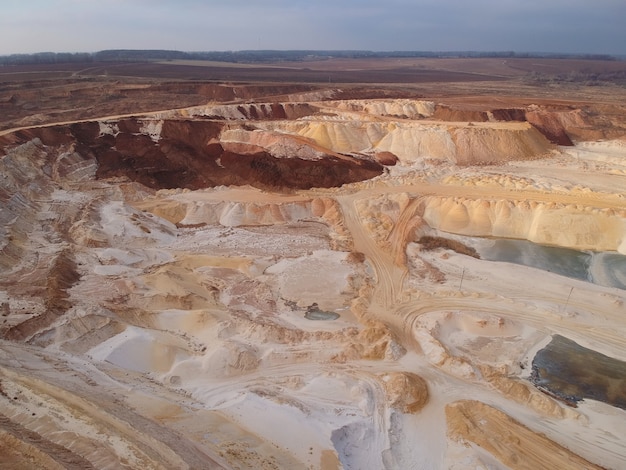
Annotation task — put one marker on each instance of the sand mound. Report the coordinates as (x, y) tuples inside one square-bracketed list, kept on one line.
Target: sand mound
[(507, 440), (488, 145), (405, 391)]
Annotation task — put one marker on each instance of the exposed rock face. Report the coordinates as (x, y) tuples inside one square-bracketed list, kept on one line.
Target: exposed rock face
[(560, 125), (59, 278), (446, 113), (179, 150), (398, 108), (149, 292), (544, 223), (553, 125), (188, 154), (509, 114), (461, 143)]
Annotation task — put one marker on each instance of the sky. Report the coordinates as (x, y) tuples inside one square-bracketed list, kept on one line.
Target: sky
[(565, 26)]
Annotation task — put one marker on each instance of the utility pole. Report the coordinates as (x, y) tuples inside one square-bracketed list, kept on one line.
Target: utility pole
[(462, 276), (568, 296)]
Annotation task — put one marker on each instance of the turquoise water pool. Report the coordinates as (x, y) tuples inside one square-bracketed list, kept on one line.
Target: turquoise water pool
[(606, 268)]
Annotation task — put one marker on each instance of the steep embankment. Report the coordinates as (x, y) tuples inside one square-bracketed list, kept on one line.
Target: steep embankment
[(410, 141), (567, 225), (189, 154)]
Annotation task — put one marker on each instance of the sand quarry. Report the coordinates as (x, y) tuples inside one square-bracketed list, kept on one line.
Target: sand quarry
[(313, 283)]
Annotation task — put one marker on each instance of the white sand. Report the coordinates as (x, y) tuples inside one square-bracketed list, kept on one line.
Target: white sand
[(200, 329)]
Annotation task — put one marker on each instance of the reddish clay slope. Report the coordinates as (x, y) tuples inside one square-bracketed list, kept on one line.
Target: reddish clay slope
[(187, 154)]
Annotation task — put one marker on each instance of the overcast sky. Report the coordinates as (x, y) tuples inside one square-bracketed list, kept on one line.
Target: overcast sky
[(585, 26)]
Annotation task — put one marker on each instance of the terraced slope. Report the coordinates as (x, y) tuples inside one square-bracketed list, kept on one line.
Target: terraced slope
[(294, 285)]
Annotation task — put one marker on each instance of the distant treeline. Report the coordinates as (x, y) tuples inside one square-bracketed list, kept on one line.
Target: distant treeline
[(130, 55)]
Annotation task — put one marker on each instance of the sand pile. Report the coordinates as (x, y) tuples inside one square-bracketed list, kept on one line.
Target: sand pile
[(516, 446)]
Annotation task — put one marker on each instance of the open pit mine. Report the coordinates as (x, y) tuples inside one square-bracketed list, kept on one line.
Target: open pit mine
[(316, 283)]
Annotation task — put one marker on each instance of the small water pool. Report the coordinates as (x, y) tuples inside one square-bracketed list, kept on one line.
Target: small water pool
[(572, 373), (314, 313), (605, 269), (319, 315)]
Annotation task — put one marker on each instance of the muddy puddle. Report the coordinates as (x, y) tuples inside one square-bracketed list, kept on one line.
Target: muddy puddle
[(313, 312), (571, 373)]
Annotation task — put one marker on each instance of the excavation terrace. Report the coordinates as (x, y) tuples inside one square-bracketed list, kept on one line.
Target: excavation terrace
[(310, 275)]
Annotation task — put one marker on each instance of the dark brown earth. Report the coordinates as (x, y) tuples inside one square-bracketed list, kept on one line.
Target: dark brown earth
[(47, 93), (433, 243), (188, 155)]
